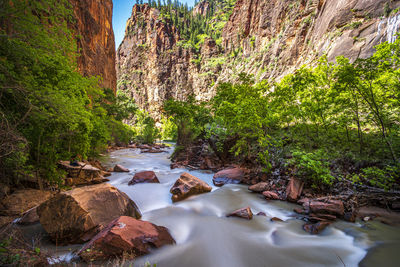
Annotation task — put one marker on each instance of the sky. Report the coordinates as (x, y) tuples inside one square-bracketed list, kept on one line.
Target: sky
[(122, 12)]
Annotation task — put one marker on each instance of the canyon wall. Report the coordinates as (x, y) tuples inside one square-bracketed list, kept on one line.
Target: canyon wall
[(95, 38), (265, 38)]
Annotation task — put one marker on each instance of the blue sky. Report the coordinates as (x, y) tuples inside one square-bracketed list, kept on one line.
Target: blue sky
[(121, 13)]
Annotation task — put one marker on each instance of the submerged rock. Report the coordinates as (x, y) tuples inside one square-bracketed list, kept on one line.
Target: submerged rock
[(125, 235), (144, 177), (260, 187), (244, 213), (315, 228), (120, 168), (228, 176), (77, 215), (294, 189), (188, 185), (276, 219)]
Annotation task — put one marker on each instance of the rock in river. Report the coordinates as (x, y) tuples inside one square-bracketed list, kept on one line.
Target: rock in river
[(260, 187), (269, 195), (244, 213), (144, 177), (228, 176), (120, 168), (125, 235), (188, 185), (77, 215)]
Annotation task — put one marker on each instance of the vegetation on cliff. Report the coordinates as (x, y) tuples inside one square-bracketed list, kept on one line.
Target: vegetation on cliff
[(48, 110), (194, 27), (323, 124)]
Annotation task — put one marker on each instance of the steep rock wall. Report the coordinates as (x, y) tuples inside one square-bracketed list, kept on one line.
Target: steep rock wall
[(96, 39), (266, 38)]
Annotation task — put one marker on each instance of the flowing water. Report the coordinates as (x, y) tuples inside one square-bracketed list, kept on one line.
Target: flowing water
[(206, 238)]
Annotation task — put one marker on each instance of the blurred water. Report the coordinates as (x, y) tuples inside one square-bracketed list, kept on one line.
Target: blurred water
[(205, 237)]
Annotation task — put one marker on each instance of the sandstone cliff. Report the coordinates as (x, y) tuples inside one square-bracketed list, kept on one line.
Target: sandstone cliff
[(266, 38), (96, 39)]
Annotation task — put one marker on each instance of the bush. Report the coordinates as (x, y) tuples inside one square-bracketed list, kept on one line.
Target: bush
[(312, 167)]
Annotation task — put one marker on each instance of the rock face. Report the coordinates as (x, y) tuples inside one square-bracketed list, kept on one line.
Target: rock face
[(144, 177), (125, 235), (268, 38), (76, 216), (228, 176), (244, 213), (95, 38), (188, 185)]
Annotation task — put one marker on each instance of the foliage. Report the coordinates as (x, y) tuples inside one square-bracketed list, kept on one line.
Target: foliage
[(146, 129), (194, 28), (350, 109), (49, 110), (313, 167), (189, 116)]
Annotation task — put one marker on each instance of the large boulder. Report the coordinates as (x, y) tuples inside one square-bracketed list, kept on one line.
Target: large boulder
[(22, 200), (260, 187), (125, 235), (244, 213), (144, 177), (228, 176), (77, 215), (120, 168), (82, 174), (188, 185), (294, 189)]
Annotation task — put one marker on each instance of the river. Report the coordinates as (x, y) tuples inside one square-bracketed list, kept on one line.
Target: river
[(205, 237)]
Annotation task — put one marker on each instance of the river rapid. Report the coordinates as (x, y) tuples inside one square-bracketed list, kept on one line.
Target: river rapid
[(205, 237)]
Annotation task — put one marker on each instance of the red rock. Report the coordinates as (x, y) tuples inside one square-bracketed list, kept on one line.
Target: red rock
[(334, 207), (75, 216), (120, 168), (322, 217), (303, 200), (300, 211), (315, 228), (294, 189), (144, 177), (228, 176), (188, 185), (259, 187), (125, 235), (83, 174), (270, 195), (244, 213), (276, 219)]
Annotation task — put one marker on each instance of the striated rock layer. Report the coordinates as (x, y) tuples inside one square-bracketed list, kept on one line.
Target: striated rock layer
[(95, 37), (266, 38)]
